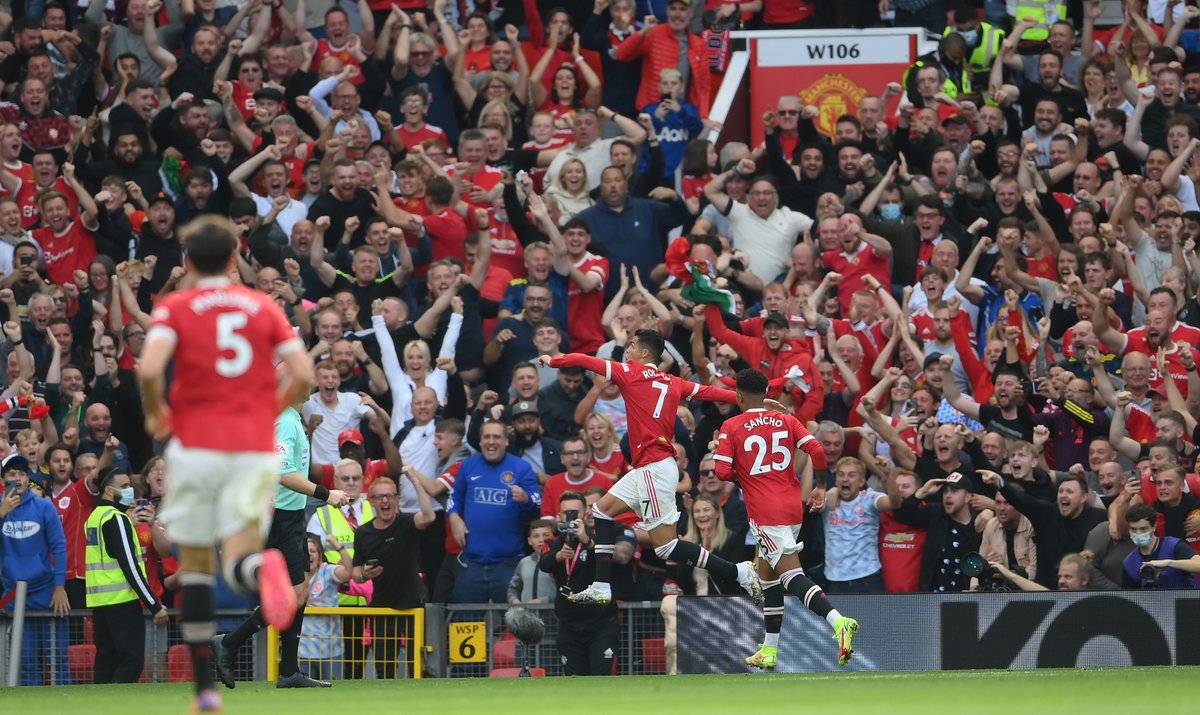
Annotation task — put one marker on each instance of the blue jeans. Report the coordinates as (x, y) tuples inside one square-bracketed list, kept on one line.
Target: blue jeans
[(481, 583), (321, 669), (866, 584), (44, 643)]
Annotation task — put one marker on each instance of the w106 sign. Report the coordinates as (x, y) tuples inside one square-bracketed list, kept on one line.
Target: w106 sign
[(830, 71)]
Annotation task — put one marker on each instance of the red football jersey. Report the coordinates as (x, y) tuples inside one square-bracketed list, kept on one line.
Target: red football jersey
[(651, 397), (487, 179), (22, 171), (900, 550), (584, 309), (559, 484), (448, 234), (27, 199), (226, 339), (74, 506), (413, 138), (66, 252), (756, 448), (326, 49), (853, 267)]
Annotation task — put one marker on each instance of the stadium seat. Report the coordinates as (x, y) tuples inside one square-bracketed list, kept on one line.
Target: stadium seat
[(504, 653), (654, 655), (179, 664), (81, 659), (516, 672)]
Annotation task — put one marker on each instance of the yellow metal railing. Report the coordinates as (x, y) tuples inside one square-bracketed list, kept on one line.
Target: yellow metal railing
[(345, 641)]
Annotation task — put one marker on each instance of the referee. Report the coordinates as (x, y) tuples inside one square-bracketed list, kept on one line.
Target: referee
[(116, 581), (288, 535)]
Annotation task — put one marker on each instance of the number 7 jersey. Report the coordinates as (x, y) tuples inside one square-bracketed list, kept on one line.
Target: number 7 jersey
[(223, 385), (652, 399), (756, 448)]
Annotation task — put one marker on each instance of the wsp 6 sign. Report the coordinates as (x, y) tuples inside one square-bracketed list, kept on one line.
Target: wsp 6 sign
[(468, 642)]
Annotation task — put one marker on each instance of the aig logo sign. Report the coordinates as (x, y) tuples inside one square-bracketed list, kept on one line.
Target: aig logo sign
[(495, 497)]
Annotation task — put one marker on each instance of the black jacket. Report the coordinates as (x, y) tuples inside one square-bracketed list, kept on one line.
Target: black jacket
[(936, 522), (1056, 536)]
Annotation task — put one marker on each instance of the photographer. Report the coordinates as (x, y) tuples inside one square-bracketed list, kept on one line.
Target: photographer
[(1008, 539), (1158, 562), (587, 634), (1075, 573)]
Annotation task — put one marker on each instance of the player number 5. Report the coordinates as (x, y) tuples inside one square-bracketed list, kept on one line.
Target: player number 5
[(228, 340), (759, 446)]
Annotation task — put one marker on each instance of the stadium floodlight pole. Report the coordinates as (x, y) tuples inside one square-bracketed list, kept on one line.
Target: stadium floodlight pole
[(18, 634)]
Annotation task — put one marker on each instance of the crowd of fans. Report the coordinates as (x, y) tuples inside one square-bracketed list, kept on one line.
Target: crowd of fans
[(980, 292)]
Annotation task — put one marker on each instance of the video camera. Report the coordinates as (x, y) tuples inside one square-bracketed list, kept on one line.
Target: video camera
[(1149, 575), (973, 565)]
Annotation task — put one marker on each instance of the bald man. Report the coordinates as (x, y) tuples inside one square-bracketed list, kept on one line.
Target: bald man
[(97, 436)]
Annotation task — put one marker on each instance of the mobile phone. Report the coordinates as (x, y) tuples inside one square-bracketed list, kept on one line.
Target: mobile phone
[(27, 260), (142, 503), (372, 562), (10, 488)]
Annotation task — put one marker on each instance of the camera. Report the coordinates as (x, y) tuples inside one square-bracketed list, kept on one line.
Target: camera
[(27, 260), (566, 528), (973, 565), (1149, 575), (737, 265)]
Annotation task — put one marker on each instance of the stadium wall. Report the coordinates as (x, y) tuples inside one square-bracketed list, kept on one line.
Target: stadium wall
[(953, 632)]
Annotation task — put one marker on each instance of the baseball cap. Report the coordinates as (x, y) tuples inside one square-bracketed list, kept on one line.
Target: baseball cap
[(14, 462), (524, 407), (160, 196), (956, 480), (933, 357), (955, 119), (350, 435), (776, 317), (269, 93)]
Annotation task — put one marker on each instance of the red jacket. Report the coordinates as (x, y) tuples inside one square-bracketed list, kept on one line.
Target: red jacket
[(660, 49)]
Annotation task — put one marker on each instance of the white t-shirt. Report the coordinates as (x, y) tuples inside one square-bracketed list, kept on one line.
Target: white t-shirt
[(287, 218), (342, 416), (768, 241)]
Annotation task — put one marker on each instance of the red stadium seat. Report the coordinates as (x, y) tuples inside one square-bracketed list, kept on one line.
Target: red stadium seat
[(516, 672), (81, 659), (179, 664), (654, 655), (504, 653)]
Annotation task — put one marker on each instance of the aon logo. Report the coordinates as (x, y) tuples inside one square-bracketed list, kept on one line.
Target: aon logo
[(675, 135)]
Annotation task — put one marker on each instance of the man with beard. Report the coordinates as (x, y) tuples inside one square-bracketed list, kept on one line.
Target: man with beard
[(784, 361), (1050, 85), (1062, 526), (181, 126), (541, 453), (512, 339), (950, 530), (349, 357), (67, 241), (1004, 417), (158, 239), (342, 200), (851, 520), (784, 148), (130, 161), (1162, 332), (364, 279), (275, 181)]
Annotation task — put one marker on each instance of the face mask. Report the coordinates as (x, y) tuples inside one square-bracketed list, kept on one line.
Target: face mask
[(126, 497), (1141, 540), (970, 36), (890, 212)]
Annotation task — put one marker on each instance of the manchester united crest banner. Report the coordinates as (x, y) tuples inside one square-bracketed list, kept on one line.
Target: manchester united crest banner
[(831, 71)]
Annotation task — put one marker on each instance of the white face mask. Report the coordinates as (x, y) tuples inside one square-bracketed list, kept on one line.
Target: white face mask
[(1141, 540), (970, 36), (126, 496)]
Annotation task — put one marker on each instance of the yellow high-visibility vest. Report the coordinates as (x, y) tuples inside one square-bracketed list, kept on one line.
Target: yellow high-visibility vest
[(104, 579), (333, 521), (1045, 13)]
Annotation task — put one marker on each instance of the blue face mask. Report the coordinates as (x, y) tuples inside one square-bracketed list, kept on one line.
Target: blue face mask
[(126, 497), (1141, 540), (890, 212)]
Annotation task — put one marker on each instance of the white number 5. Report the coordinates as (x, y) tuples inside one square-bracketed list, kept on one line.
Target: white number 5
[(228, 340)]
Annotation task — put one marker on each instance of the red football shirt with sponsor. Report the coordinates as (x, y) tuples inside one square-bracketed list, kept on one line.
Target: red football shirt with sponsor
[(325, 49), (66, 252), (853, 266), (756, 449), (447, 233), (27, 199), (900, 549), (226, 340), (507, 251), (584, 309), (651, 397)]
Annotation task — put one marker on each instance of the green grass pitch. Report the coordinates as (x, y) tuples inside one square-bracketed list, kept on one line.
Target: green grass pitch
[(1057, 692)]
